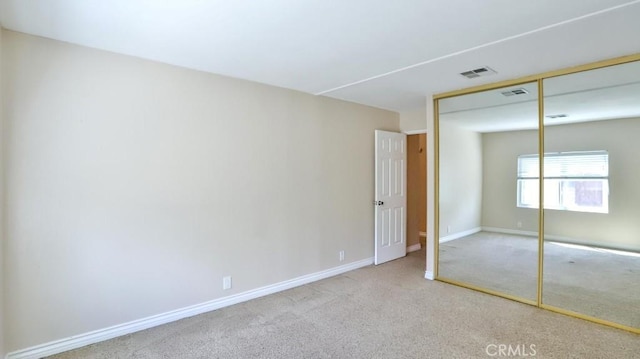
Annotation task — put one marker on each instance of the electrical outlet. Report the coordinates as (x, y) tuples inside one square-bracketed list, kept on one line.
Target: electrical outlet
[(226, 283), (448, 229), (519, 224), (341, 255)]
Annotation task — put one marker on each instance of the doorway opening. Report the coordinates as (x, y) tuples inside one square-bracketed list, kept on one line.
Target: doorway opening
[(416, 192)]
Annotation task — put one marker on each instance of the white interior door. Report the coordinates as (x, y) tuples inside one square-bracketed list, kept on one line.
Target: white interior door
[(391, 196)]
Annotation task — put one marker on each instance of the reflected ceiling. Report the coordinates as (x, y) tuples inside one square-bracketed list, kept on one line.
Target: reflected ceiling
[(601, 94)]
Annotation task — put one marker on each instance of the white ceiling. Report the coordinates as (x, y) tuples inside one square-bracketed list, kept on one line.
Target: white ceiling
[(386, 54)]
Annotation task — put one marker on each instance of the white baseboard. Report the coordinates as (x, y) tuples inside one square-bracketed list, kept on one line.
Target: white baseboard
[(429, 275), (460, 234), (77, 341), (414, 247)]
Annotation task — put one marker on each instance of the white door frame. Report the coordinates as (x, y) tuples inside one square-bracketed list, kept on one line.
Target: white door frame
[(430, 254)]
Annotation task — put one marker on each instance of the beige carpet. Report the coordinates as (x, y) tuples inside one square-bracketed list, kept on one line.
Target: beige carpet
[(591, 281), (386, 311), (505, 263)]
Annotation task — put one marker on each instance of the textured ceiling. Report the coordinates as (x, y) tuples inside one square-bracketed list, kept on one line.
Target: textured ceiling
[(380, 53)]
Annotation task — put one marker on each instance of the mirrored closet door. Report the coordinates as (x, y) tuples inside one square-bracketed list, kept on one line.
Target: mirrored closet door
[(491, 154), (488, 221), (592, 193)]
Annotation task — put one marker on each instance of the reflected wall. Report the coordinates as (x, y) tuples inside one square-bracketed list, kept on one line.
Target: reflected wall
[(592, 187), (477, 186)]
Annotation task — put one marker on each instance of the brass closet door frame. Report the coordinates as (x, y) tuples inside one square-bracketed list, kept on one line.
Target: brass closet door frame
[(539, 78)]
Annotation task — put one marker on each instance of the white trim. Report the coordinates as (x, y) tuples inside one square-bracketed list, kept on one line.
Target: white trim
[(510, 231), (460, 234), (429, 275), (423, 234), (414, 132), (77, 341), (414, 247)]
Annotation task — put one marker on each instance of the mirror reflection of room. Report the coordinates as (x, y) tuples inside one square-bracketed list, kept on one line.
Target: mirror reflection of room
[(592, 193), (489, 193), (485, 240)]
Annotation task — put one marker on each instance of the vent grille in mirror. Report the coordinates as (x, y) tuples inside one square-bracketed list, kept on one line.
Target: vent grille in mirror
[(561, 115), (515, 92)]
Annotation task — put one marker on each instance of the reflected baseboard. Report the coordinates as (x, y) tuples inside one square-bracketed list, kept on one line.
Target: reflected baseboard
[(460, 234), (516, 232)]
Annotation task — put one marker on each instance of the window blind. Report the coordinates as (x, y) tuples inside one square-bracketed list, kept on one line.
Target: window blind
[(584, 164)]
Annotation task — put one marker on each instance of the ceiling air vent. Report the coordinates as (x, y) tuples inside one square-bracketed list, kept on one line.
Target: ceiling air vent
[(514, 92), (561, 115), (483, 71)]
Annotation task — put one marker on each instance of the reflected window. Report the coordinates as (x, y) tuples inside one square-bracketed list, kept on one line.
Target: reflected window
[(573, 181)]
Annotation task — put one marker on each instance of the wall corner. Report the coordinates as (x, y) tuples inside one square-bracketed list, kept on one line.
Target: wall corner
[(2, 207), (431, 245)]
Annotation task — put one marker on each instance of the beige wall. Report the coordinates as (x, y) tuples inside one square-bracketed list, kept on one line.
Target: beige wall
[(460, 179), (133, 187), (431, 190), (500, 154), (415, 120), (618, 229), (2, 204)]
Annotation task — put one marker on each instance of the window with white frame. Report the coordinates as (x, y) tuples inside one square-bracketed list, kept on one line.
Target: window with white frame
[(573, 181)]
